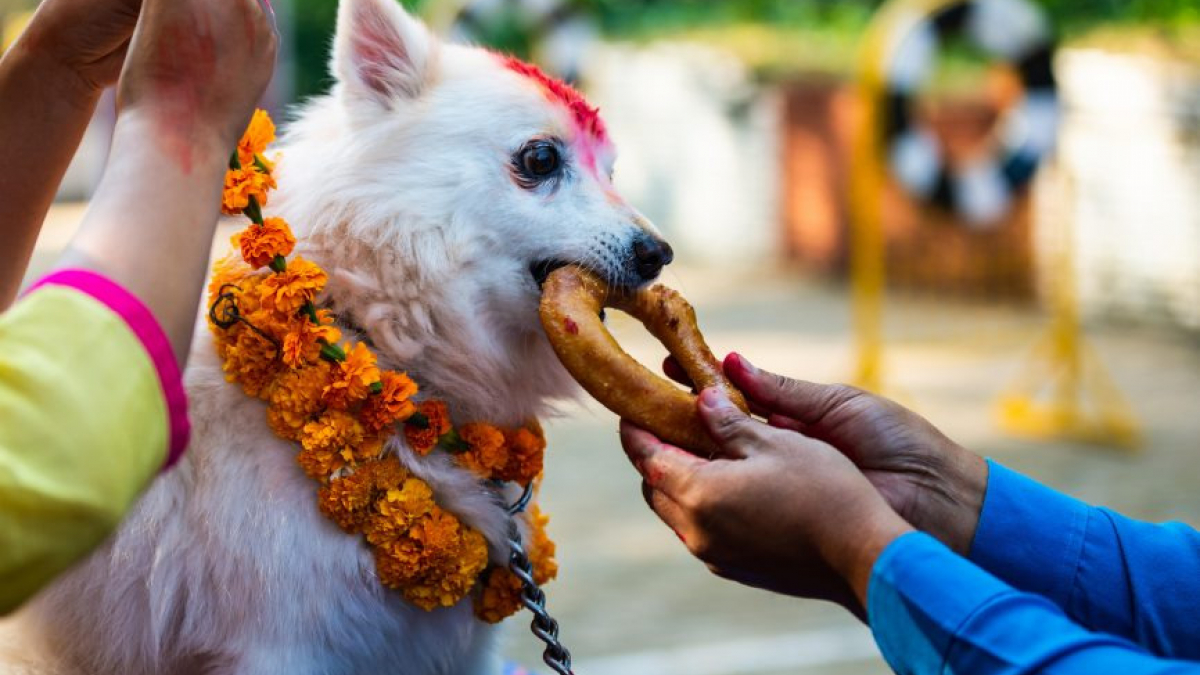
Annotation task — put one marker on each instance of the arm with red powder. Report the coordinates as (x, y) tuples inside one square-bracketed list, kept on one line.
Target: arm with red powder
[(193, 75), (91, 396)]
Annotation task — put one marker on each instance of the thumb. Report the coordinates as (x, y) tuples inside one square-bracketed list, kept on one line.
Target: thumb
[(735, 433)]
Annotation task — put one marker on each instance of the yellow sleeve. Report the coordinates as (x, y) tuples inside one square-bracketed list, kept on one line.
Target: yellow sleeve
[(84, 426)]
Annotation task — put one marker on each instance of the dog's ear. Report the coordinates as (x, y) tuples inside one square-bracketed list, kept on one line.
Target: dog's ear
[(381, 52)]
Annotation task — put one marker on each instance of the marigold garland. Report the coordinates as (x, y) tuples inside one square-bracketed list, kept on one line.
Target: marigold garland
[(332, 398)]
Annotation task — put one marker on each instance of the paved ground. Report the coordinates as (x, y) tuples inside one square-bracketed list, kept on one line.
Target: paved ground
[(631, 600)]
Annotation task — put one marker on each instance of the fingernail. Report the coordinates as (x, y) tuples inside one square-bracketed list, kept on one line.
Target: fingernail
[(270, 13), (745, 363), (713, 398)]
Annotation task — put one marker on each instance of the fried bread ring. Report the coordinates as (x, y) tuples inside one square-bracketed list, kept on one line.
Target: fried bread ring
[(572, 300)]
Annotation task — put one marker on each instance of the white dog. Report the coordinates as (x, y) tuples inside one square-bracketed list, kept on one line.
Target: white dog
[(437, 184)]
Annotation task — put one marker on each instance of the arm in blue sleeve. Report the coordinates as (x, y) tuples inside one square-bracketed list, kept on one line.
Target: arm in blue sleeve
[(933, 612), (1108, 573)]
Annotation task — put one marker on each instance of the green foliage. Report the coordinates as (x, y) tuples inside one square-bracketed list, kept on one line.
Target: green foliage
[(313, 22)]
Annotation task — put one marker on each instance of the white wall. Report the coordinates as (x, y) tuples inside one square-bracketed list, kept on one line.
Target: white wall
[(1129, 157), (698, 147)]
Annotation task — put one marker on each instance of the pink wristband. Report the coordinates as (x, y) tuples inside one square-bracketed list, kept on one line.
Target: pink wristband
[(143, 324)]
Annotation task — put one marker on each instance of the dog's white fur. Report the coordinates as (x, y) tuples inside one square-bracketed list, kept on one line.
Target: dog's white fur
[(399, 184)]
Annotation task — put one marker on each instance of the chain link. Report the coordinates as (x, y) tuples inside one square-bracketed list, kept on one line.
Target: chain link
[(543, 625)]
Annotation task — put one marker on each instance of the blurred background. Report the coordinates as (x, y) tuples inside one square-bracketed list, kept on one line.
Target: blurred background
[(814, 163)]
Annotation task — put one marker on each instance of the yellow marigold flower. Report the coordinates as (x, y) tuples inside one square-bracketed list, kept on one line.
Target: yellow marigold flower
[(487, 455), (295, 398), (329, 444), (391, 405), (242, 184), (526, 451), (260, 244), (286, 292), (250, 360), (259, 134), (302, 339), (397, 509), (352, 378), (422, 441)]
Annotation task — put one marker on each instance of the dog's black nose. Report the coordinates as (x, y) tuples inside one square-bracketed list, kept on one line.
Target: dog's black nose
[(650, 255)]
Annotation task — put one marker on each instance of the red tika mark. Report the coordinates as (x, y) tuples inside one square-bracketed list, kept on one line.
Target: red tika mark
[(586, 117), (571, 326)]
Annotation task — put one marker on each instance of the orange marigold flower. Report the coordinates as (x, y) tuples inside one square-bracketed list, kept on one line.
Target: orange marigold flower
[(393, 404), (250, 360), (228, 270), (387, 473), (399, 564), (423, 441), (242, 184), (352, 378), (329, 443), (347, 500), (302, 339), (260, 244), (452, 556), (526, 452), (295, 398), (487, 454), (541, 547), (286, 292), (259, 134), (500, 596), (234, 278)]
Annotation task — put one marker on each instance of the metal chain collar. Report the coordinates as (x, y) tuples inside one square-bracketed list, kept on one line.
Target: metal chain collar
[(543, 625)]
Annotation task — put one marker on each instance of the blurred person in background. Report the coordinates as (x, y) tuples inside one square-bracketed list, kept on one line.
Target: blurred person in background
[(91, 400), (958, 564)]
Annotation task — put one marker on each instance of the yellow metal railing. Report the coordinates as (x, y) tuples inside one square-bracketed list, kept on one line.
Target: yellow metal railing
[(1083, 402)]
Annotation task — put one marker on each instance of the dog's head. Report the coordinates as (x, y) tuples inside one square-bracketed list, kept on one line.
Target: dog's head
[(458, 175)]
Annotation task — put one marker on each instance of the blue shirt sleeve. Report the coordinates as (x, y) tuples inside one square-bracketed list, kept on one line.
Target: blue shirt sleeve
[(933, 612), (1108, 573)]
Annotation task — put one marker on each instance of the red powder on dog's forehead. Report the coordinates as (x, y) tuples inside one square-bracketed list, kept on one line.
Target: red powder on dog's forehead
[(586, 117)]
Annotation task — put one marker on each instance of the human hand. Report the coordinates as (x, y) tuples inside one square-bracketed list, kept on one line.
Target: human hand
[(777, 510), (928, 479), (88, 38), (196, 69)]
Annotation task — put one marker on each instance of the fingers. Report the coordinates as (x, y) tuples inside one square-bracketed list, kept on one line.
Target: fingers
[(806, 403), (786, 423), (665, 468), (736, 433), (668, 510)]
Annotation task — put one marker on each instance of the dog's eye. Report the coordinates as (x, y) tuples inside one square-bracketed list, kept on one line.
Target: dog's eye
[(539, 159)]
